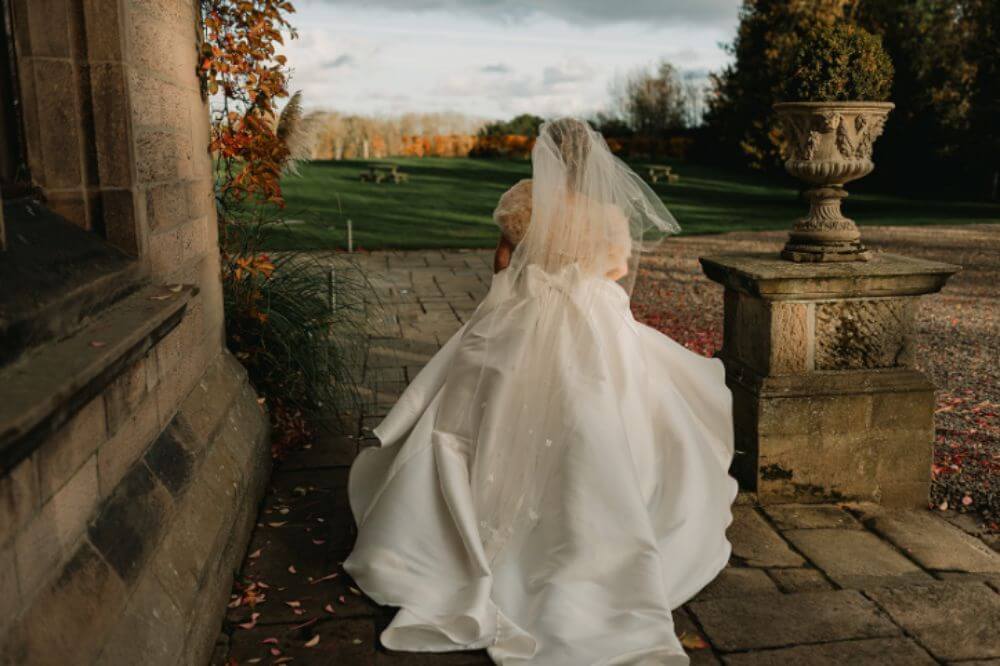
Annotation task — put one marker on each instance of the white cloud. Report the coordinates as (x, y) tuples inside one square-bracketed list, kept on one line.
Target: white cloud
[(571, 72), (580, 12), (377, 60)]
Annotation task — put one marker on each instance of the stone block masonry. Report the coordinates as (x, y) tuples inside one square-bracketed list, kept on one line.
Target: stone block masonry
[(142, 569), (827, 403), (122, 523)]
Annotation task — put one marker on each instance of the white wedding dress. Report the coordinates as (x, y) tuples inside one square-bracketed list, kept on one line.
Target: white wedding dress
[(629, 524)]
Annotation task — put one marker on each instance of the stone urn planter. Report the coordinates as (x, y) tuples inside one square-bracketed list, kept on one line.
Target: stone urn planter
[(829, 144)]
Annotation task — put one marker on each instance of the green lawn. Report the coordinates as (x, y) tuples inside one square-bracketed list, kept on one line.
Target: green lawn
[(448, 203)]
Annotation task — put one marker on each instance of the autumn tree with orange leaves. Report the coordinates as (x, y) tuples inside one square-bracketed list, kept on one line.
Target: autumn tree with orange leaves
[(282, 321), (242, 69)]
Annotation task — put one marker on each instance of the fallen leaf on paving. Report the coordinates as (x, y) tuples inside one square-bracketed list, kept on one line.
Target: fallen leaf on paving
[(693, 641), (319, 542), (341, 599), (292, 570), (254, 555), (97, 343), (279, 524), (293, 604), (175, 288), (275, 652), (313, 642), (269, 641), (252, 623), (329, 609), (282, 660), (327, 577), (355, 591)]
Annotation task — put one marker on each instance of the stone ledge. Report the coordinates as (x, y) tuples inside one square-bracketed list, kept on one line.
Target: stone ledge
[(43, 391), (767, 276), (59, 274), (827, 382)]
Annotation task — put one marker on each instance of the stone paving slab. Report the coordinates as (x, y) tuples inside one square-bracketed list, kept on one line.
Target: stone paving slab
[(387, 658), (781, 601), (810, 516), (329, 450), (757, 544), (973, 528), (920, 536), (766, 621), (954, 620), (737, 582), (800, 580), (854, 558), (685, 627), (882, 651), (346, 642)]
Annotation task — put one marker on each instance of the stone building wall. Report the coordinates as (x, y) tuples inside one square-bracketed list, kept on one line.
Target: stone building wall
[(120, 530)]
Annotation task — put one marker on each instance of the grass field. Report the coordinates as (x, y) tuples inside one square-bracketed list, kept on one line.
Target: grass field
[(448, 203)]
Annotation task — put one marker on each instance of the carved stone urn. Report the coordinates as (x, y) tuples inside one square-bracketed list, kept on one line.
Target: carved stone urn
[(829, 144)]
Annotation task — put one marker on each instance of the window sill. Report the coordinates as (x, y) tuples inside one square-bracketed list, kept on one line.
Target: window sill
[(46, 387), (54, 276)]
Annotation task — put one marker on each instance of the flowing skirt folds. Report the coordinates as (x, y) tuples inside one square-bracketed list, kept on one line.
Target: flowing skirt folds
[(630, 527)]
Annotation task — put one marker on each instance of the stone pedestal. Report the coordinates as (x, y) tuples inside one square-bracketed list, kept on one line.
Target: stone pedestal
[(827, 403)]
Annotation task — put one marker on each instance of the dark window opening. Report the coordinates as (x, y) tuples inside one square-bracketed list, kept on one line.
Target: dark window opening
[(13, 167)]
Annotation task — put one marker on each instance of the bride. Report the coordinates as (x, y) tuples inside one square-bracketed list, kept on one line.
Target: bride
[(554, 481)]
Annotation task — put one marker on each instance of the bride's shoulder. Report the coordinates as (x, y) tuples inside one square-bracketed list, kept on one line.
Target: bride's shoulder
[(520, 188), (513, 211)]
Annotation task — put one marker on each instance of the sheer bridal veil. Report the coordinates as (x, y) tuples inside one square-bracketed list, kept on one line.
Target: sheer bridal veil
[(536, 352)]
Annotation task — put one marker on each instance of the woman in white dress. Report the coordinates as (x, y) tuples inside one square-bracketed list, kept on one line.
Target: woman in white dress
[(554, 481)]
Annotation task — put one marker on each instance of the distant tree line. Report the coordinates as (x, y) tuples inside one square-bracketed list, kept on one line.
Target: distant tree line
[(943, 135), (337, 136), (526, 124), (945, 130)]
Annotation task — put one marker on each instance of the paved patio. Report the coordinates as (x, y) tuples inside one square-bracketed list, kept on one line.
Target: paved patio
[(844, 584)]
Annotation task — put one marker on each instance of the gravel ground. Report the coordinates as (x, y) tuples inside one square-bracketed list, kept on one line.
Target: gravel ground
[(958, 340)]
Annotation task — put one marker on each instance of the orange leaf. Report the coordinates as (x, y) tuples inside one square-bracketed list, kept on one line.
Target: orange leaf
[(693, 641)]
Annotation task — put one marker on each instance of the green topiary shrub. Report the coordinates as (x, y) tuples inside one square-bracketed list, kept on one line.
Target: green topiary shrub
[(837, 63)]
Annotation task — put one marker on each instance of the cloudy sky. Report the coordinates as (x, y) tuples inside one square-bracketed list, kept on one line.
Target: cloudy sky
[(495, 58)]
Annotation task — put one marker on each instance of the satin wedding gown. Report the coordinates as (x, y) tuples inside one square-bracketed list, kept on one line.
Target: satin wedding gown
[(631, 523)]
